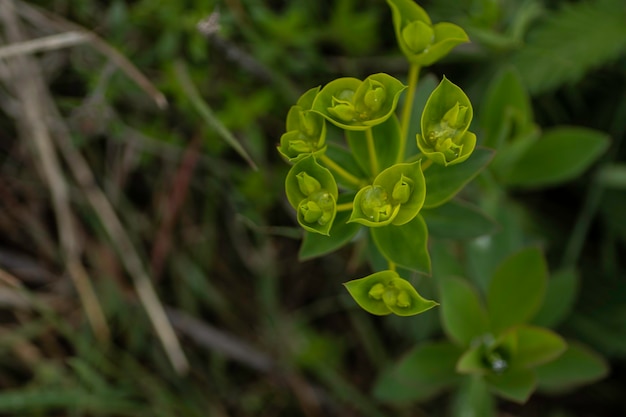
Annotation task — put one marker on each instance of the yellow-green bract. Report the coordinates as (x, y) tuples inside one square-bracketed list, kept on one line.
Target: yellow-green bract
[(306, 130), (395, 197), (352, 104), (386, 292), (311, 189), (420, 41), (445, 120)]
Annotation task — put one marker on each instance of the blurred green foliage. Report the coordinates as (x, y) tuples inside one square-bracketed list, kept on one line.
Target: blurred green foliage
[(276, 336)]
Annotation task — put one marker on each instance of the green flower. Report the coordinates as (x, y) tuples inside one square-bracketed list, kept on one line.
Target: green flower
[(352, 104), (445, 120), (386, 292), (306, 130), (311, 190), (422, 42), (395, 197)]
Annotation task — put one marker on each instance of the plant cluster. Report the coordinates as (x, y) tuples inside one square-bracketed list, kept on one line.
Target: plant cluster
[(385, 187), (358, 172)]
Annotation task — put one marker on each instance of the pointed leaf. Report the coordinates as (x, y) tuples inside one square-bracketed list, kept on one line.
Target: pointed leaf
[(472, 361), (517, 289), (443, 183), (560, 297), (405, 245), (473, 399), (578, 365), (536, 346), (463, 316), (420, 375), (561, 154), (515, 385), (507, 110)]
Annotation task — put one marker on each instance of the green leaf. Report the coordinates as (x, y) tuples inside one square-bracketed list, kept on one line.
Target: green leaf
[(340, 234), (558, 52), (442, 183), (515, 385), (486, 253), (507, 111), (420, 375), (536, 346), (458, 220), (344, 158), (561, 154), (472, 361), (447, 116), (517, 289), (386, 145), (462, 314), (405, 245), (560, 297), (509, 153), (473, 399), (385, 292), (577, 366)]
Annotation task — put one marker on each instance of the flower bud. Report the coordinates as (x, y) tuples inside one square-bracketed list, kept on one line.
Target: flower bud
[(308, 185), (402, 190), (418, 36), (375, 204), (311, 212)]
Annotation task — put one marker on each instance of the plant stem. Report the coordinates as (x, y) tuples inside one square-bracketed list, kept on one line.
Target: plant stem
[(332, 165), (371, 149), (414, 71), (344, 206), (392, 265), (426, 164)]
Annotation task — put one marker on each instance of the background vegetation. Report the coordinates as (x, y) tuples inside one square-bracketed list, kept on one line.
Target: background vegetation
[(148, 258)]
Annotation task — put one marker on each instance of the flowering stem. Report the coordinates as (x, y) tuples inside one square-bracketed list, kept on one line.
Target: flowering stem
[(392, 265), (371, 149), (426, 164), (344, 206), (414, 71), (332, 165)]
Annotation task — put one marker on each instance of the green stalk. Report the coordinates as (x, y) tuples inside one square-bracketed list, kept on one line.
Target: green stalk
[(414, 71), (332, 165), (345, 206), (371, 149)]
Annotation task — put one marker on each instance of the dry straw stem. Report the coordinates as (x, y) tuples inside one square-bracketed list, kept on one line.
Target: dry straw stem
[(85, 178), (59, 41), (40, 17), (27, 84)]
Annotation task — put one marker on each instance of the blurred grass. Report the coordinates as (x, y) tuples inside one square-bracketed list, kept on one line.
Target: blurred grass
[(265, 335)]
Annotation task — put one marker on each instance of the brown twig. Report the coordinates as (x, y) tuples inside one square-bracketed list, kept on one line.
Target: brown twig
[(174, 202)]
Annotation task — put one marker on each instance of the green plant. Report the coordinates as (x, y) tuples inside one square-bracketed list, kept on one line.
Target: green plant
[(384, 186), (390, 186)]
